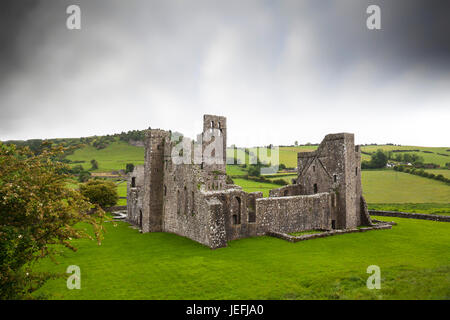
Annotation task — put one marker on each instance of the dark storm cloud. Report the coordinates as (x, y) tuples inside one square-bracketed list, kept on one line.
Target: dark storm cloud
[(13, 16), (164, 63)]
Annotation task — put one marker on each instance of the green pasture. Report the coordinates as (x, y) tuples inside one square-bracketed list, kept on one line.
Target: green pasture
[(413, 258), (114, 157), (389, 186)]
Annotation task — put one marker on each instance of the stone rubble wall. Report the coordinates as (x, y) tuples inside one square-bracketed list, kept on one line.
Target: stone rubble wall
[(410, 215), (290, 238), (294, 213)]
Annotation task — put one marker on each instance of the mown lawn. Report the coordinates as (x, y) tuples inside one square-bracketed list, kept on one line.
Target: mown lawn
[(413, 257)]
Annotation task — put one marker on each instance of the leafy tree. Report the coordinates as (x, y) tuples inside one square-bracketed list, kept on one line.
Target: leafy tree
[(100, 192), (38, 214), (379, 159), (84, 176), (94, 164), (129, 167), (254, 170)]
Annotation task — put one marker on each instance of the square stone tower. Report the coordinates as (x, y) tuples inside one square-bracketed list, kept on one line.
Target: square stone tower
[(152, 206)]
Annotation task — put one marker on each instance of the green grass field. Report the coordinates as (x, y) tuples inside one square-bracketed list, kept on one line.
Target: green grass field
[(429, 208), (379, 186), (413, 257), (119, 153), (288, 155), (114, 157), (444, 172), (389, 186), (427, 157), (252, 186)]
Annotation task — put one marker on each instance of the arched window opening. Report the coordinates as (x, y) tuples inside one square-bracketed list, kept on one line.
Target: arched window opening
[(236, 210), (133, 182), (251, 203)]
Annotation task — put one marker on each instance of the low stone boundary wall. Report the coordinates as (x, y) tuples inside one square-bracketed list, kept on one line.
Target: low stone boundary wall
[(116, 208), (410, 215), (290, 238)]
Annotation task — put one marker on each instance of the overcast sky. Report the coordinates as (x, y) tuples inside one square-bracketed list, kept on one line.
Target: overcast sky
[(280, 71)]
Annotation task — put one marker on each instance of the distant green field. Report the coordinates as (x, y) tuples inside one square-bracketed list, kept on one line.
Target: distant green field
[(119, 153), (427, 157), (114, 157), (413, 258), (252, 186), (428, 208), (389, 186), (444, 172), (288, 155), (380, 186)]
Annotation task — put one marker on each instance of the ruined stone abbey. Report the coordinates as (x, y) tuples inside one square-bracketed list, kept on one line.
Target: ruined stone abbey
[(194, 200)]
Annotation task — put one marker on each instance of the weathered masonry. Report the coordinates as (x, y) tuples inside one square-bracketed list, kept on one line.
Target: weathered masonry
[(192, 199)]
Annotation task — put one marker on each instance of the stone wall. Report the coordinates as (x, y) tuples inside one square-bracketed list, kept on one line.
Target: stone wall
[(289, 190), (238, 210), (135, 196), (410, 215), (295, 213)]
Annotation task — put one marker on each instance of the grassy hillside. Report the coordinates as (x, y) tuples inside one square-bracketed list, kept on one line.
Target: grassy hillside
[(413, 257), (380, 186), (433, 157), (114, 157), (117, 154), (288, 155), (444, 172), (389, 186)]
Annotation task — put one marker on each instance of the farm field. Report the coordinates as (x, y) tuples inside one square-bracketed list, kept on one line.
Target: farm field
[(429, 208), (427, 157), (444, 172), (389, 186), (379, 186), (288, 155), (413, 257), (114, 157), (252, 186)]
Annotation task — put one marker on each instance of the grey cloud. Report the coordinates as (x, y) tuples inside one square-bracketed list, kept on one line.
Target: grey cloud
[(277, 64)]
